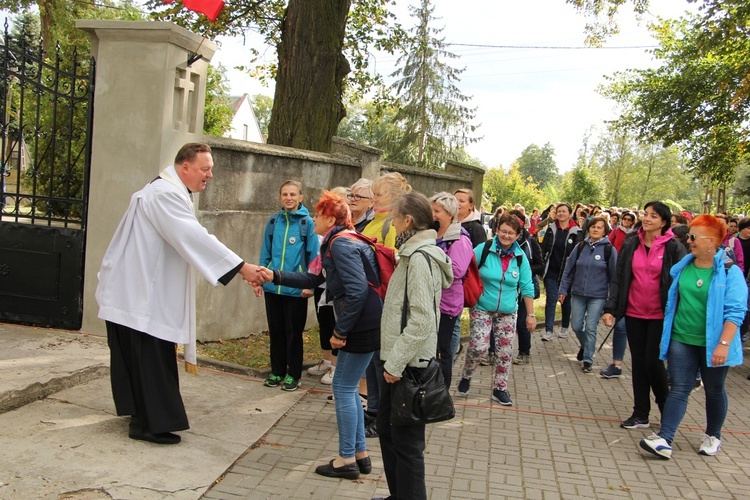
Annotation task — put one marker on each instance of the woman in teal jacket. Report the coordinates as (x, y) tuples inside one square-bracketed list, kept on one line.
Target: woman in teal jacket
[(505, 272), (289, 244), (705, 307)]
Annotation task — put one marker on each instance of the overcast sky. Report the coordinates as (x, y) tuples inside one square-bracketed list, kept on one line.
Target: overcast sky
[(522, 95)]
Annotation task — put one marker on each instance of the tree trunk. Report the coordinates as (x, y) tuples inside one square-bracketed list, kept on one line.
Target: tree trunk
[(307, 105)]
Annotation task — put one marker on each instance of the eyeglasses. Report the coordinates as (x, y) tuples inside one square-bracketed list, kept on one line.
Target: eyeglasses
[(693, 237), (508, 233), (356, 197)]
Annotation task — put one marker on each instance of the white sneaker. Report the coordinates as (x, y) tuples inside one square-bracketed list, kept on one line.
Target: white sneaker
[(547, 336), (657, 445), (563, 333), (710, 445), (320, 369), (327, 378)]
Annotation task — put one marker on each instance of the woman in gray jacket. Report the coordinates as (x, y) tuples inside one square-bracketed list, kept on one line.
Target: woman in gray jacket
[(590, 269), (422, 273)]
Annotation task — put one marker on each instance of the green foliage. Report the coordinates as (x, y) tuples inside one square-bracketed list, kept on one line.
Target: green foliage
[(509, 188), (582, 185), (539, 164), (432, 119), (699, 97), (262, 106), (218, 112)]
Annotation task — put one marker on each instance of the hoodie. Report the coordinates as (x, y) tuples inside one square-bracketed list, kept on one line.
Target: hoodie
[(429, 271), (644, 296), (457, 245), (501, 288), (286, 249)]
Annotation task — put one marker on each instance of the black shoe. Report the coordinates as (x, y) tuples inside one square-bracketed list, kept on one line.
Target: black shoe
[(160, 438), (365, 465), (586, 367), (350, 471), (579, 356)]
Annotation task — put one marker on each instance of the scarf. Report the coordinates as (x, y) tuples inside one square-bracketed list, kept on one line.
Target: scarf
[(402, 238)]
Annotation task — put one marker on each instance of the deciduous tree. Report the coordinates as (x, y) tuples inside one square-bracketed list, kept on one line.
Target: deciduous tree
[(539, 164)]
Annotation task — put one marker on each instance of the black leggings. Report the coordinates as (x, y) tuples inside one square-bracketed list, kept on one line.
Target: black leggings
[(649, 374)]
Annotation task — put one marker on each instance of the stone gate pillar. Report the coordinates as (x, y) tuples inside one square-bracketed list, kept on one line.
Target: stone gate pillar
[(147, 103)]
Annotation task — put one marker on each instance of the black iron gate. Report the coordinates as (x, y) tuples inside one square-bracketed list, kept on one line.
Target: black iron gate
[(46, 106)]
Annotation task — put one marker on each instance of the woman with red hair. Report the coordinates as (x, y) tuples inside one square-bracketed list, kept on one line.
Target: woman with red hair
[(705, 306), (348, 264)]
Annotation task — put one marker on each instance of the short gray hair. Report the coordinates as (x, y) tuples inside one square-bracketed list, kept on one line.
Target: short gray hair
[(363, 185), (447, 202)]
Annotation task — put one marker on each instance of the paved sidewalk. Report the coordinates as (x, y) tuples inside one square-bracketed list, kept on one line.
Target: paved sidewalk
[(561, 439)]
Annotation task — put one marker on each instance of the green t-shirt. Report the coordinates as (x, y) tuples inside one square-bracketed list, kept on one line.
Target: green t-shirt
[(689, 326)]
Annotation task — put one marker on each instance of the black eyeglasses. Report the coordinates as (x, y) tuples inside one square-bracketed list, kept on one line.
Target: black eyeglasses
[(356, 197), (693, 237)]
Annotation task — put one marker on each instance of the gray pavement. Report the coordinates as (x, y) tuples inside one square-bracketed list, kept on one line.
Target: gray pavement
[(561, 439)]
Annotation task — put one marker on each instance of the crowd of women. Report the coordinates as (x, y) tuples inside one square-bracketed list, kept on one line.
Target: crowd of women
[(627, 268)]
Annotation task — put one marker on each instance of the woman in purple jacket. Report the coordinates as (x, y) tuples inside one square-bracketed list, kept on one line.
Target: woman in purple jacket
[(456, 243)]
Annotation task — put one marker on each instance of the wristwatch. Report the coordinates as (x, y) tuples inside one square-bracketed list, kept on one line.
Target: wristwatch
[(531, 315), (724, 342)]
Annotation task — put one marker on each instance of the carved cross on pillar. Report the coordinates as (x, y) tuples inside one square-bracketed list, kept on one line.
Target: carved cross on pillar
[(185, 104)]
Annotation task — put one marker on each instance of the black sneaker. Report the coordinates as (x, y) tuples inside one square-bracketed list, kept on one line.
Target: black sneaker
[(290, 383), (501, 397), (612, 371), (635, 423), (586, 367), (579, 356), (463, 387), (273, 381)]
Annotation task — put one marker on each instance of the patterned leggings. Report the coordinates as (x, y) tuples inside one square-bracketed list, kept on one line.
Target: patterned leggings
[(503, 327)]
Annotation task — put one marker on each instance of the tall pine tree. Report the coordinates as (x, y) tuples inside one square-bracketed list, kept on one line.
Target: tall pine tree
[(433, 120)]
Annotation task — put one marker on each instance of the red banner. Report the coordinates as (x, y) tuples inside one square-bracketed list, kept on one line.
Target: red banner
[(211, 8)]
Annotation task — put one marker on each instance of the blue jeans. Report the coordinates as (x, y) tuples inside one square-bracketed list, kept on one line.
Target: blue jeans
[(551, 286), (585, 315), (350, 419), (684, 361), (456, 338), (619, 340)]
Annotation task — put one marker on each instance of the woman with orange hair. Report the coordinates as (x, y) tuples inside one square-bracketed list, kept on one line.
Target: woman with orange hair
[(705, 306), (348, 264)]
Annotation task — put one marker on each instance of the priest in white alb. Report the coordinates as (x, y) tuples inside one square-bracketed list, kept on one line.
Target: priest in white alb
[(146, 294)]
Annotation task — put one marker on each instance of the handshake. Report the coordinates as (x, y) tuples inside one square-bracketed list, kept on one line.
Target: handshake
[(255, 275), (258, 275)]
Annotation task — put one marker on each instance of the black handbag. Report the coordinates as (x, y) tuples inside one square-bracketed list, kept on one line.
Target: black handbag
[(421, 395)]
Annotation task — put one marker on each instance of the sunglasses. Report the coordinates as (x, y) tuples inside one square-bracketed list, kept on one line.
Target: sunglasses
[(693, 237)]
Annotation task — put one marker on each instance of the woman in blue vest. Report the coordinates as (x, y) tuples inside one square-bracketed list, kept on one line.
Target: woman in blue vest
[(289, 244)]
